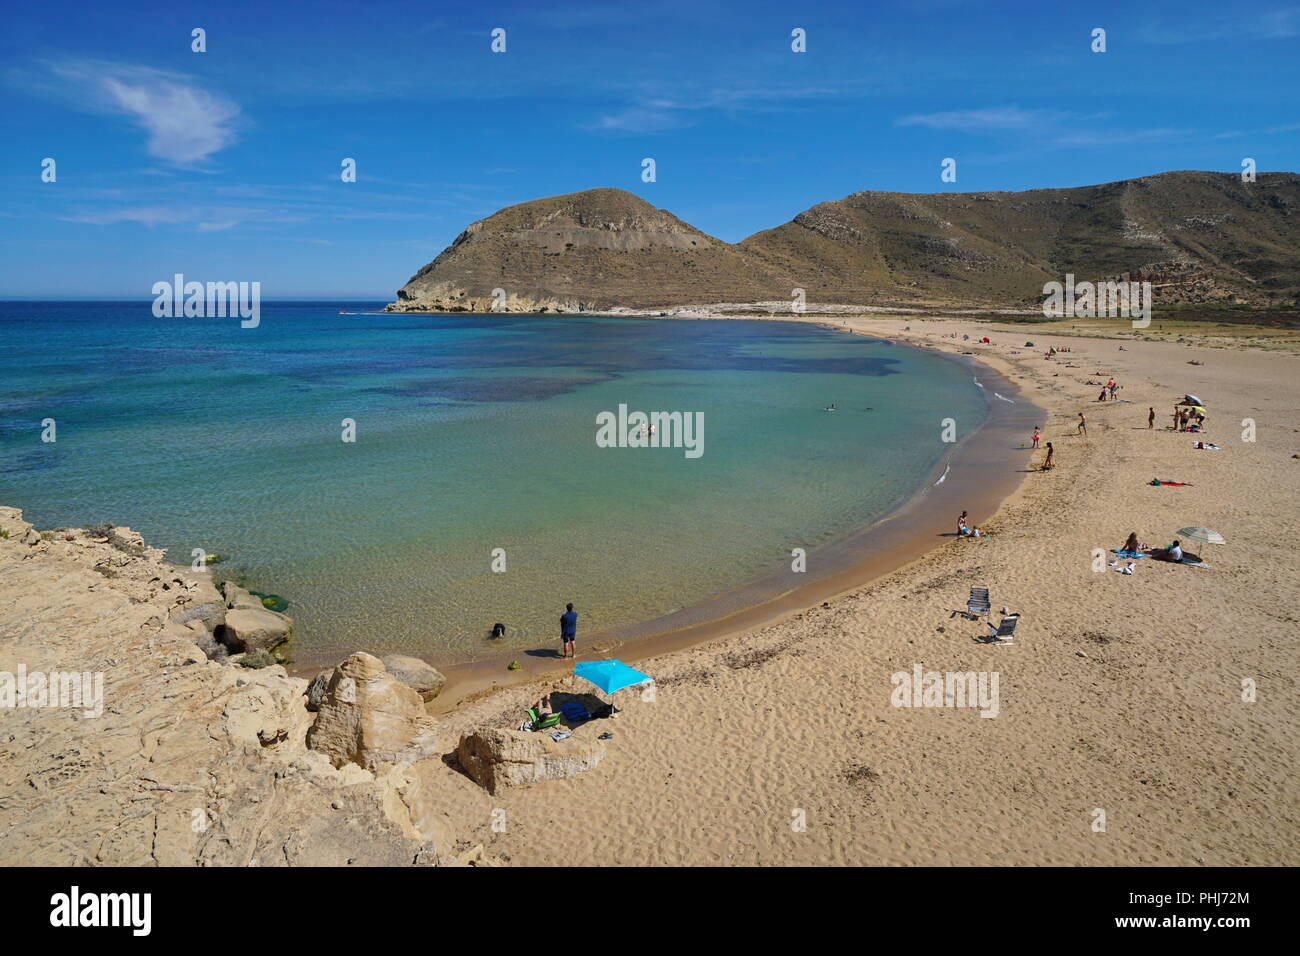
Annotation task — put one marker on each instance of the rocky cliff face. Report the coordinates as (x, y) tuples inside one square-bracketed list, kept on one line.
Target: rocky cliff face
[(188, 760), (1207, 236)]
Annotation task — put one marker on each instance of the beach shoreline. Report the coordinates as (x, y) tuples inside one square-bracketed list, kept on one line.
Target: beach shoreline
[(985, 469), (1121, 693), (1144, 719)]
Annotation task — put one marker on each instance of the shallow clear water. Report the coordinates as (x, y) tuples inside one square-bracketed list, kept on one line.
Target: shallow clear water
[(472, 433)]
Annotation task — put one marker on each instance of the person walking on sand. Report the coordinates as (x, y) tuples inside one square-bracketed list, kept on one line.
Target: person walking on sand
[(569, 632), (1037, 436), (1047, 462), (1151, 416), (1083, 425)]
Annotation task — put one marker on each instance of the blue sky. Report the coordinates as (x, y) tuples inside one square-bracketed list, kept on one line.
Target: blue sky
[(224, 165)]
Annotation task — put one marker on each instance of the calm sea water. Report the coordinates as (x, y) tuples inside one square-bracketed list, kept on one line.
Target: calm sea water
[(473, 433)]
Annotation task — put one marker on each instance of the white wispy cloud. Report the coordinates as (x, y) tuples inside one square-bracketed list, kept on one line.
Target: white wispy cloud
[(654, 114), (202, 218), (641, 119), (1237, 23), (992, 119), (185, 124)]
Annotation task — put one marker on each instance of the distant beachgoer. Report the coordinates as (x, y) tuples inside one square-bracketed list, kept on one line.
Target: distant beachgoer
[(1037, 436), (1083, 425), (961, 525), (1151, 417), (1132, 545), (1175, 552), (1102, 396), (1177, 415), (569, 631), (1047, 462)]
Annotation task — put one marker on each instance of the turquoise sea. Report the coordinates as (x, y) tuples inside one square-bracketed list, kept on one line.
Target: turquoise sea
[(473, 433)]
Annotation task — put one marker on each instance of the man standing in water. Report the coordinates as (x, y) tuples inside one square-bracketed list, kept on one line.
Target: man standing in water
[(569, 632)]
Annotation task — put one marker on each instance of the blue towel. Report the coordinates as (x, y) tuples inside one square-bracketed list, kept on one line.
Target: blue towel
[(574, 711), (1129, 554)]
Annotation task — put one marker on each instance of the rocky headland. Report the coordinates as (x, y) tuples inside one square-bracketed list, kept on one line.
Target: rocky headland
[(198, 748)]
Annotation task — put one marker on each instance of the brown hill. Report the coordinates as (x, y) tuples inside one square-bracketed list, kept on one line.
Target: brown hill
[(1198, 236)]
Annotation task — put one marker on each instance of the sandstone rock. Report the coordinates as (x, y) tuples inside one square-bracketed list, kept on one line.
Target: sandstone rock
[(370, 718), (181, 740), (247, 628), (496, 758), (11, 521), (426, 679), (237, 597), (202, 602)]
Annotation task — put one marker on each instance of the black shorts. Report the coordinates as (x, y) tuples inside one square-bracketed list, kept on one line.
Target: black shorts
[(568, 638)]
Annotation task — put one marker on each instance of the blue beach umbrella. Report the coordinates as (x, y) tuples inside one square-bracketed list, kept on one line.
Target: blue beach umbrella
[(610, 676)]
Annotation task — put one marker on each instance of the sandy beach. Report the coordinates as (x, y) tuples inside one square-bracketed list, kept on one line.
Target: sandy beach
[(1121, 693), (1138, 719)]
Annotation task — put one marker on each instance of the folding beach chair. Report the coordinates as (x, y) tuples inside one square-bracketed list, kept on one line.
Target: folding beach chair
[(1004, 632), (541, 723), (978, 602)]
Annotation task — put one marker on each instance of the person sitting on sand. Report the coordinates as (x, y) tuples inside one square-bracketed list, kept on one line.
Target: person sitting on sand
[(962, 529), (1132, 545), (1172, 553), (543, 706)]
